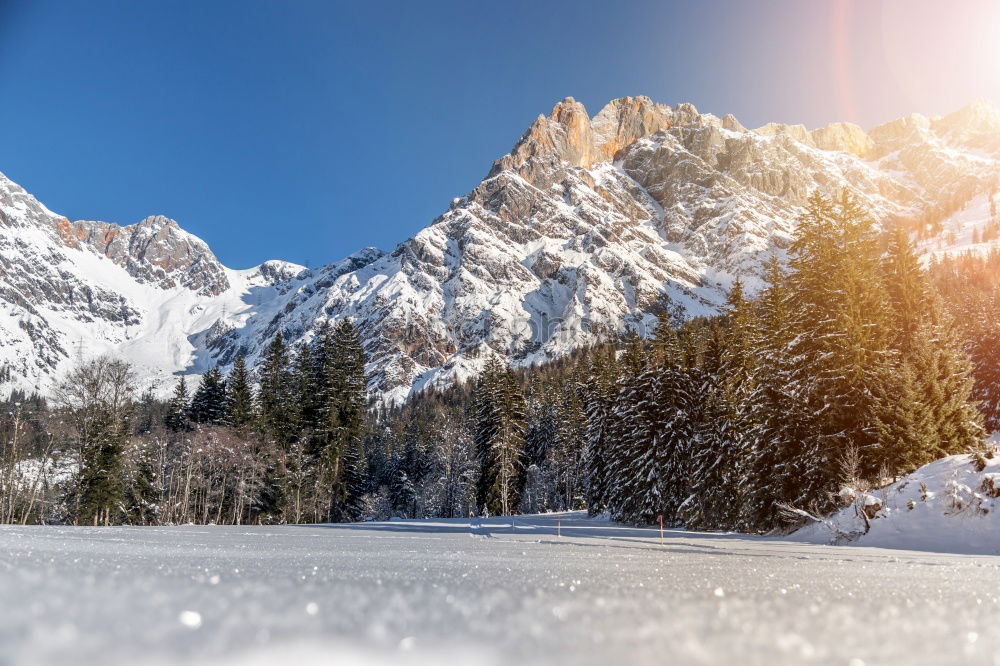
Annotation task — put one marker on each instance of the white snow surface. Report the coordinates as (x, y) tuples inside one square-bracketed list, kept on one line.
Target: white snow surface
[(483, 592), (945, 506)]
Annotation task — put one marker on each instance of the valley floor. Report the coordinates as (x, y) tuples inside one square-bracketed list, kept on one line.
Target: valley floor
[(485, 592)]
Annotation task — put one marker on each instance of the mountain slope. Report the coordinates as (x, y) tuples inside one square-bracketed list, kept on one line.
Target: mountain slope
[(588, 227)]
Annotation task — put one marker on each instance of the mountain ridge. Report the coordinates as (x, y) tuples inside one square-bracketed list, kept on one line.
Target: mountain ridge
[(589, 226)]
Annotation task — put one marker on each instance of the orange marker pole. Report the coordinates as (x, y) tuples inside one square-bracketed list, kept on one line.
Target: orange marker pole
[(661, 530)]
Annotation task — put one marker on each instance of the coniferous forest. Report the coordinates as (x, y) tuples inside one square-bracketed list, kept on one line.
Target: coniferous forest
[(853, 363)]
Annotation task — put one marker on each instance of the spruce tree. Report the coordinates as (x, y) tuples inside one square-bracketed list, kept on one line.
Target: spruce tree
[(716, 452), (840, 320), (276, 400), (569, 445), (354, 482), (142, 492), (599, 394), (927, 410), (101, 484), (176, 417), (499, 440), (309, 389), (346, 409), (239, 397), (780, 419), (208, 404), (983, 344)]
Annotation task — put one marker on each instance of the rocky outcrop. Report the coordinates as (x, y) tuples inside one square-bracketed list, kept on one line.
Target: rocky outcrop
[(797, 132), (624, 121), (156, 250), (846, 137), (564, 137)]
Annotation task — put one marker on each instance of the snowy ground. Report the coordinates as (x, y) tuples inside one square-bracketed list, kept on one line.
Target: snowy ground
[(946, 506), (447, 592)]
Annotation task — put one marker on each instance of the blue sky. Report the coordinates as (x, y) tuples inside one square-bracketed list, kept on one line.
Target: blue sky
[(307, 130)]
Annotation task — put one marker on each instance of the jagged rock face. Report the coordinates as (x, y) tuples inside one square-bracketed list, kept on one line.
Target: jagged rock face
[(846, 137), (623, 121), (565, 137), (157, 251), (588, 227), (582, 232)]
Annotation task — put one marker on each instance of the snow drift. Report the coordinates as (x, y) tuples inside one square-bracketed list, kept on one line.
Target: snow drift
[(951, 505)]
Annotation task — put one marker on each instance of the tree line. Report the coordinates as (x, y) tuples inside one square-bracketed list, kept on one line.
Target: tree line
[(851, 363), (283, 446)]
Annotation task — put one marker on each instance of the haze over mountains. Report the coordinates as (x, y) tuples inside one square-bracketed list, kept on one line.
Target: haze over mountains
[(589, 226)]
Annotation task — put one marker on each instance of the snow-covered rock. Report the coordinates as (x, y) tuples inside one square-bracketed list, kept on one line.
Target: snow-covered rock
[(949, 505), (585, 229)]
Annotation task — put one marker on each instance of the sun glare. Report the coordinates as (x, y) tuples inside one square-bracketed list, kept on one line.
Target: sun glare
[(943, 55)]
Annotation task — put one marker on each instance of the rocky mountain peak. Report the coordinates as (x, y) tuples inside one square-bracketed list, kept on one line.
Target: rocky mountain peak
[(980, 114), (156, 223), (569, 137), (565, 136), (730, 123), (797, 132), (888, 136), (625, 120), (156, 250), (845, 137), (975, 125)]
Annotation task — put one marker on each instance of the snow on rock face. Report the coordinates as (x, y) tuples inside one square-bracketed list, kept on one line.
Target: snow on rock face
[(157, 251), (585, 229), (948, 505)]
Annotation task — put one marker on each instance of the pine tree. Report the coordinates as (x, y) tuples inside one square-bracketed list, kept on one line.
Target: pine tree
[(926, 408), (142, 492), (841, 340), (354, 482), (346, 410), (780, 419), (101, 484), (728, 419), (276, 400), (569, 445), (239, 395), (631, 481), (499, 440), (627, 432), (309, 386), (600, 392), (176, 417), (208, 404), (983, 337), (539, 440), (716, 453)]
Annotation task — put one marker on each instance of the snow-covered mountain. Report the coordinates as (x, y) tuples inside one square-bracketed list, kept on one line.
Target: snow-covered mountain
[(590, 225)]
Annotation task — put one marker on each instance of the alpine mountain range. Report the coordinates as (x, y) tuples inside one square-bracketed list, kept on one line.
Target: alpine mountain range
[(588, 228)]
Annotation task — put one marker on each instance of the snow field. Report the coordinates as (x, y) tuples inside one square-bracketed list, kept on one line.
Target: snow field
[(945, 506), (486, 592)]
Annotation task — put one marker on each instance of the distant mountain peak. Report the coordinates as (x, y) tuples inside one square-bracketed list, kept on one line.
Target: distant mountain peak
[(158, 251)]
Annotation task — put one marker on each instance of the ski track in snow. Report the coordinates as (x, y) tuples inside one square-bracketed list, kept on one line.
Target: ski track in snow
[(483, 592)]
